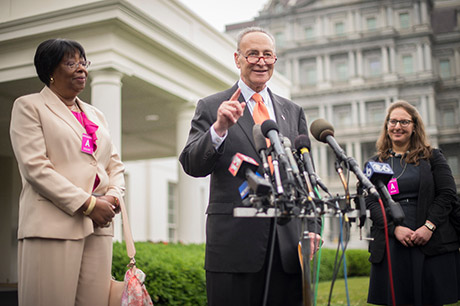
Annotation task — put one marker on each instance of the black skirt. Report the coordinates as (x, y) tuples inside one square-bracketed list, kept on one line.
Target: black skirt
[(418, 279)]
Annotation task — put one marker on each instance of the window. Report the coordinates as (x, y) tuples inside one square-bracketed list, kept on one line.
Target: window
[(279, 39), (448, 114), (375, 112), (172, 215), (452, 153), (309, 32), (311, 114), (407, 64), (342, 115), (444, 68), (367, 150), (371, 23), (308, 72), (374, 66), (404, 21), (339, 68), (339, 28)]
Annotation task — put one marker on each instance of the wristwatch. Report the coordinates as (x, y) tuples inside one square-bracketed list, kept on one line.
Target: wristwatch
[(430, 226)]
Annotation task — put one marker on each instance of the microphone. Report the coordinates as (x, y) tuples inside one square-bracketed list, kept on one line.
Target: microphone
[(292, 161), (261, 147), (380, 174), (244, 167), (302, 144), (324, 131), (270, 130)]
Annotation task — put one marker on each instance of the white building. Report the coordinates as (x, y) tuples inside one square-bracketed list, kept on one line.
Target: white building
[(349, 59), (151, 62)]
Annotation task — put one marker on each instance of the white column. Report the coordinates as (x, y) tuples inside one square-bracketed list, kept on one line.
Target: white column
[(326, 28), (193, 192), (362, 112), (423, 12), (420, 66), (387, 102), (319, 27), (457, 62), (392, 59), (106, 96), (323, 161), (359, 63), (295, 73), (319, 69), (383, 16), (385, 60), (355, 114), (428, 58), (327, 68), (351, 63), (357, 154), (389, 15), (351, 25), (358, 24), (431, 110), (416, 13), (424, 110)]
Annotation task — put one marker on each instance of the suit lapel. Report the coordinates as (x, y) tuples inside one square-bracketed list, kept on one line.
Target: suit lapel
[(61, 110), (280, 114), (246, 123)]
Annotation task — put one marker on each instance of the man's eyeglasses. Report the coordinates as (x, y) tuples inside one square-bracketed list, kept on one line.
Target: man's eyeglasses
[(253, 59), (75, 65), (404, 123)]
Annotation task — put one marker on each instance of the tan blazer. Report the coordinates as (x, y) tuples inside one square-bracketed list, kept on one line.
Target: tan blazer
[(57, 177)]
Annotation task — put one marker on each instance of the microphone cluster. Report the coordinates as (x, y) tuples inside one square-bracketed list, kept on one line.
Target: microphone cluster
[(288, 179)]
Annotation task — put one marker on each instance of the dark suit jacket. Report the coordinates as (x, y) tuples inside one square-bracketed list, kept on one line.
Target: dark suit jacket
[(437, 194), (238, 244)]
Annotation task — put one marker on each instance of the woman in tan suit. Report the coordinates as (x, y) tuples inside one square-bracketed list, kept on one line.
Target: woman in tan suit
[(72, 181)]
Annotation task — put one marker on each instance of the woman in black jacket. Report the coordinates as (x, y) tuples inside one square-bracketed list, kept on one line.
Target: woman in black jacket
[(424, 248)]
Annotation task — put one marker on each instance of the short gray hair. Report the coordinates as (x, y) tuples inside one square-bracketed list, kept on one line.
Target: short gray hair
[(248, 30)]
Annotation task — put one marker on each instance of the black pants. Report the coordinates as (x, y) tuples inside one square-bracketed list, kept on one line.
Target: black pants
[(247, 289)]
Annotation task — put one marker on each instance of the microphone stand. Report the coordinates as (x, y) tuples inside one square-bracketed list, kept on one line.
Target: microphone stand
[(304, 255)]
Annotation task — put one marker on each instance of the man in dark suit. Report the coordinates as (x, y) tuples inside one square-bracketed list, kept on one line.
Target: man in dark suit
[(237, 249)]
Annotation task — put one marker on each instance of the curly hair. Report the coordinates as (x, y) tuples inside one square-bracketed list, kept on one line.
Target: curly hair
[(419, 147)]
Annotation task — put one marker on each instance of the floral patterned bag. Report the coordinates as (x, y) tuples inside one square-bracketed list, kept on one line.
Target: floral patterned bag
[(132, 291)]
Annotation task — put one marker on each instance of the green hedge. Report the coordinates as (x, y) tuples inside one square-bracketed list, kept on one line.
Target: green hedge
[(175, 274)]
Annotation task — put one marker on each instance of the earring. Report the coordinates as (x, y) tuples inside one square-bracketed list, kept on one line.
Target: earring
[(51, 80)]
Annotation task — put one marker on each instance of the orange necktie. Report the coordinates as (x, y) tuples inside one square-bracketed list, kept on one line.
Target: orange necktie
[(260, 112)]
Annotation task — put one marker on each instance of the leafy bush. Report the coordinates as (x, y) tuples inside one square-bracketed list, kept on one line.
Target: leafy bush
[(175, 274)]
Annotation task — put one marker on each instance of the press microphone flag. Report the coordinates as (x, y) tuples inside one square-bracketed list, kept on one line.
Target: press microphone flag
[(380, 174), (245, 167)]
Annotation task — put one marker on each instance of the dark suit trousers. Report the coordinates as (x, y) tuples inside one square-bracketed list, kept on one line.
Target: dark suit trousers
[(247, 289)]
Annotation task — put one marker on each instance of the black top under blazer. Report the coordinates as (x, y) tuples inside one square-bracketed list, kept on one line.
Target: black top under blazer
[(437, 195), (233, 244)]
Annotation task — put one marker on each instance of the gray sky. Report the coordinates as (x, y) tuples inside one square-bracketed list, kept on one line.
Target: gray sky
[(218, 13)]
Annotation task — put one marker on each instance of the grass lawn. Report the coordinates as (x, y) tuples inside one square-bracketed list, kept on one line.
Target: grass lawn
[(357, 290)]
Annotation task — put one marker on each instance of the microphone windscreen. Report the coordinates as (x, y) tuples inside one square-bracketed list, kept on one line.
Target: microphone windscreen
[(302, 141), (286, 142), (320, 129), (259, 139), (269, 125)]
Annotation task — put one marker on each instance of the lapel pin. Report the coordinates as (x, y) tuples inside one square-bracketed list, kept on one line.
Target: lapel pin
[(282, 116)]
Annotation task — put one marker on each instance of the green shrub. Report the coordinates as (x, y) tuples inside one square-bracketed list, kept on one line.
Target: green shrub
[(175, 274)]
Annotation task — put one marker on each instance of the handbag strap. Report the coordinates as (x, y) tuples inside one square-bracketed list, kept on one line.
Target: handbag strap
[(130, 249)]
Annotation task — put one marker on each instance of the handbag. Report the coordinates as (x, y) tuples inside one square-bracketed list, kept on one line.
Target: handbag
[(131, 291)]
